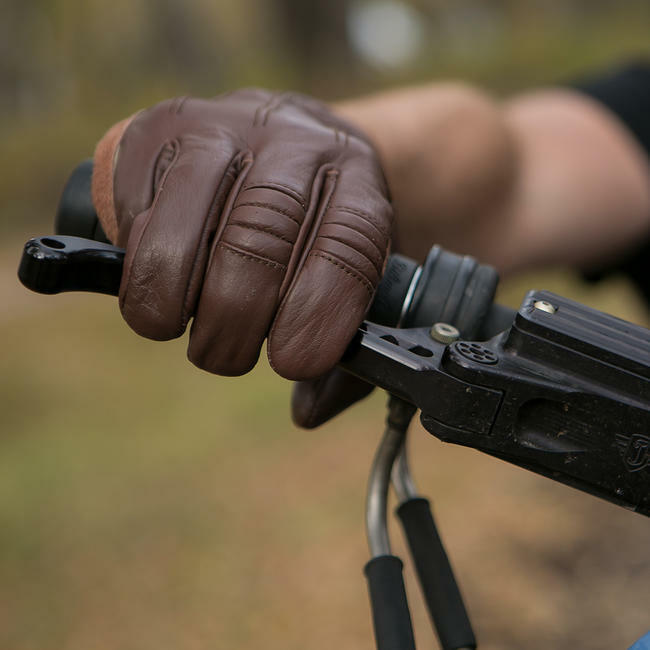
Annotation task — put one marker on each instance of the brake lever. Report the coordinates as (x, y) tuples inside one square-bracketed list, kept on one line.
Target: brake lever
[(64, 263)]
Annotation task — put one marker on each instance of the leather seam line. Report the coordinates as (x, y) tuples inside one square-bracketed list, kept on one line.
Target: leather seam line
[(356, 250), (381, 234), (261, 109), (268, 206), (166, 156), (319, 201), (278, 187), (361, 234), (306, 236), (255, 258), (371, 220), (209, 217), (280, 100), (264, 229), (346, 269), (180, 104)]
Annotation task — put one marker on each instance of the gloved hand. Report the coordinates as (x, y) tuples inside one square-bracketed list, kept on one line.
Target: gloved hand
[(259, 215)]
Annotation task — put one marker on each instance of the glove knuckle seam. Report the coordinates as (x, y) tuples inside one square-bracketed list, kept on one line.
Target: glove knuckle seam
[(265, 229), (319, 202), (361, 279), (280, 100), (283, 189), (268, 206), (340, 240), (381, 252), (263, 111), (251, 256), (211, 216), (308, 234), (372, 220), (166, 158), (180, 103)]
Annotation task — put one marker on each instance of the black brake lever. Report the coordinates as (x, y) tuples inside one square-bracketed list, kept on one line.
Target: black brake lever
[(64, 263)]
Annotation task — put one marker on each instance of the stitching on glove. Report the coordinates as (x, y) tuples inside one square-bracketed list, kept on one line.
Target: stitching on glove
[(319, 200), (255, 258), (181, 104), (364, 215), (166, 156), (346, 269), (356, 250), (281, 99), (358, 232), (280, 187), (210, 217), (269, 206), (260, 109), (264, 229)]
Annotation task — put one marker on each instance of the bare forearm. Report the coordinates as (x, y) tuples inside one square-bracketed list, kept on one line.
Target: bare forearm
[(547, 177), (583, 190), (448, 157)]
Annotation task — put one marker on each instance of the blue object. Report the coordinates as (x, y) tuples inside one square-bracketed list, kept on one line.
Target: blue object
[(642, 644)]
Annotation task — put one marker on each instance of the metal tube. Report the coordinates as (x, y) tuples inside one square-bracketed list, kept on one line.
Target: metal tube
[(397, 422), (401, 476)]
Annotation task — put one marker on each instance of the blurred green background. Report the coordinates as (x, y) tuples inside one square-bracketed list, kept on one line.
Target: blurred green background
[(144, 504)]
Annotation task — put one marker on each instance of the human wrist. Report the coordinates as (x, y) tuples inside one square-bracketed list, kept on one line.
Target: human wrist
[(448, 156)]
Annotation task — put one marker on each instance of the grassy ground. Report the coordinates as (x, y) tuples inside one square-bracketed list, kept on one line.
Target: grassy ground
[(144, 504)]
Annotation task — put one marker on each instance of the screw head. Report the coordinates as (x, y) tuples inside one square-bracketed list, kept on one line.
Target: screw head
[(546, 306), (444, 333)]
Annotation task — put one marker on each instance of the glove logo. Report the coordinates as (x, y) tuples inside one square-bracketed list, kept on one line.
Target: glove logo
[(635, 450)]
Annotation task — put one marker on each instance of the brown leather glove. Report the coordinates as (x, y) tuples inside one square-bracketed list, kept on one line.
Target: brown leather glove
[(256, 214)]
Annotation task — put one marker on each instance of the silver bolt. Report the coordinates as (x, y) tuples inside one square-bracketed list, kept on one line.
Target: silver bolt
[(444, 333), (543, 305)]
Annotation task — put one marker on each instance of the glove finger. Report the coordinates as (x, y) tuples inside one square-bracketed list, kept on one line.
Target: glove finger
[(316, 401), (333, 287), (167, 252), (263, 233)]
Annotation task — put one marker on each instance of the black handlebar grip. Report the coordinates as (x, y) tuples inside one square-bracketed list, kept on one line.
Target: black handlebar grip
[(436, 576), (76, 213), (390, 613)]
